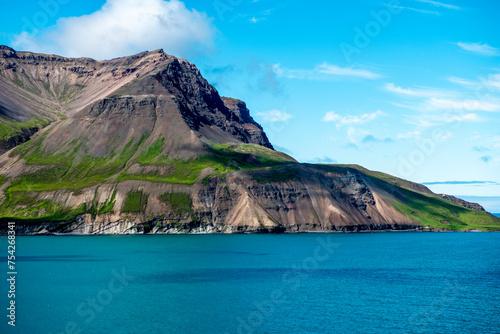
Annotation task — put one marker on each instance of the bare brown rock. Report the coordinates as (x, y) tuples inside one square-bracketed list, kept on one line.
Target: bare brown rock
[(144, 144)]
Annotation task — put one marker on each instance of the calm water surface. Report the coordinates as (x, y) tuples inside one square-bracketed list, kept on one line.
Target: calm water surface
[(307, 283)]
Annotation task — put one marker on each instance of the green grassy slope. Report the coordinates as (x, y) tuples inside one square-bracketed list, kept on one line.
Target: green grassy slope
[(67, 171), (432, 211)]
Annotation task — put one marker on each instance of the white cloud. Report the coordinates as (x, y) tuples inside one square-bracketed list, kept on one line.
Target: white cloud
[(356, 135), (462, 82), (430, 120), (487, 142), (450, 118), (332, 116), (468, 105), (274, 116), (480, 48), (124, 27), (433, 99), (324, 71), (414, 9), (482, 85), (323, 160), (346, 71), (444, 136), (439, 4), (418, 92), (411, 134)]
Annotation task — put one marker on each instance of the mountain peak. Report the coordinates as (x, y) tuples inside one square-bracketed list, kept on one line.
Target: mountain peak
[(145, 140)]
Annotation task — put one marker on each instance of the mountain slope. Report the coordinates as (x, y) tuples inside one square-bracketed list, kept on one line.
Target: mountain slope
[(145, 144)]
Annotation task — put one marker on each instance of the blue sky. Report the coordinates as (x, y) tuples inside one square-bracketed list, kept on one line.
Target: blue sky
[(408, 87)]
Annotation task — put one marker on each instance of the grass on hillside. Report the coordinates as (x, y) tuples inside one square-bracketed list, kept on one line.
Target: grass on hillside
[(442, 214), (9, 128), (222, 158), (26, 206), (179, 202), (276, 174), (68, 171), (136, 201)]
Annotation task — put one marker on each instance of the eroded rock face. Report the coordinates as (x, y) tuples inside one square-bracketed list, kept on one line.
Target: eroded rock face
[(151, 124), (202, 107), (461, 202), (46, 87), (18, 139), (310, 200)]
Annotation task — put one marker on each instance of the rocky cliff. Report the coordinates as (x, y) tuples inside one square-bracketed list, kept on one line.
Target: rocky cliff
[(144, 144)]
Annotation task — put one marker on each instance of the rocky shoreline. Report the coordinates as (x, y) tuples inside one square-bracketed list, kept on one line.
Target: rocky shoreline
[(80, 227)]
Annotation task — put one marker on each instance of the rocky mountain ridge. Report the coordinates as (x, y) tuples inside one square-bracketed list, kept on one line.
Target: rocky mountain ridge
[(144, 144)]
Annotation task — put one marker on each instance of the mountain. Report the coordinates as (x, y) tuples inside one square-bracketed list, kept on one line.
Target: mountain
[(144, 144)]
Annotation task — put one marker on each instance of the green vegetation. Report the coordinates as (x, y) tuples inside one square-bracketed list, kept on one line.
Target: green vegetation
[(152, 152), (179, 202), (72, 170), (136, 202), (25, 206), (222, 158), (438, 213), (276, 174), (65, 170), (433, 212), (264, 156), (9, 128), (106, 207)]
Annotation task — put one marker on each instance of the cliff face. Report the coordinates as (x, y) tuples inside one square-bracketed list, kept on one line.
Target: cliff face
[(143, 144)]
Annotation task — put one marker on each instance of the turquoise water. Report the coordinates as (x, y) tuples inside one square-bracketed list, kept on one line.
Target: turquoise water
[(302, 283)]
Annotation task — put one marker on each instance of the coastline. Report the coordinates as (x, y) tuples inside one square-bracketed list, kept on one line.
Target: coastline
[(247, 233)]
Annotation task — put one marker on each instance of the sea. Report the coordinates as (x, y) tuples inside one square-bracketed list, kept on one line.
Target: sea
[(393, 282)]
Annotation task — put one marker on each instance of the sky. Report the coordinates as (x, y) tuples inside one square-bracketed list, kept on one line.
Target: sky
[(406, 87)]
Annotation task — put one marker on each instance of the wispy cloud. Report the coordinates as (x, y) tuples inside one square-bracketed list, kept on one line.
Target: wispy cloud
[(418, 92), (351, 146), (414, 9), (346, 71), (332, 116), (411, 134), (479, 48), (486, 143), (261, 16), (372, 139), (439, 4), (323, 160), (459, 182), (466, 105), (490, 83), (325, 71), (429, 120), (433, 99), (274, 116), (432, 119)]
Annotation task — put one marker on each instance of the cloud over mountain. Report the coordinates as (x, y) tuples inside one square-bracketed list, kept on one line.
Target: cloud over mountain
[(124, 27)]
